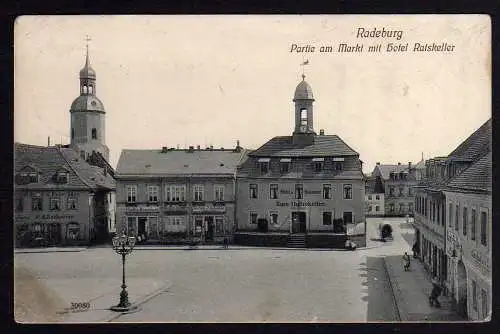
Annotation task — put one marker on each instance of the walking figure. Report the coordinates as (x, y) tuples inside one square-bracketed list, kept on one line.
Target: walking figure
[(226, 243), (435, 293), (406, 261)]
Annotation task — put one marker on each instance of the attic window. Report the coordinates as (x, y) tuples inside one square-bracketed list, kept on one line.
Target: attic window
[(339, 165), (62, 177)]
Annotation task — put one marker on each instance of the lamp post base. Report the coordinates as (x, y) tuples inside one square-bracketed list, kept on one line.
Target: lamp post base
[(119, 308)]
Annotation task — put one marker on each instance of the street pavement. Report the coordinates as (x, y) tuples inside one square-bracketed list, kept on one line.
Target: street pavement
[(242, 284)]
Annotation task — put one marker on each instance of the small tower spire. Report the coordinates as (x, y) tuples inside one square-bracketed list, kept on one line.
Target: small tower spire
[(87, 39)]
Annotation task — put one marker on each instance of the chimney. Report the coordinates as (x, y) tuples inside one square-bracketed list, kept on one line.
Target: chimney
[(211, 147), (321, 132), (164, 149), (191, 149), (399, 163), (198, 147), (409, 164), (48, 141), (378, 163)]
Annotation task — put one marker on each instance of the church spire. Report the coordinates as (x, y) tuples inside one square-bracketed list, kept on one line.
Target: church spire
[(87, 74)]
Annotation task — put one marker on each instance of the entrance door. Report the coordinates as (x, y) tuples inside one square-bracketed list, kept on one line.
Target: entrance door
[(299, 219), (141, 227), (53, 233), (209, 233), (462, 288)]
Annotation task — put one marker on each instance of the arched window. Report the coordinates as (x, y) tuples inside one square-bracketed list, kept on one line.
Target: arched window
[(94, 133), (90, 89), (303, 117), (84, 89)]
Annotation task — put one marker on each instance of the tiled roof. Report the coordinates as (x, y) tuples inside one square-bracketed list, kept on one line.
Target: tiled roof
[(154, 162), (476, 178), (385, 170), (475, 145), (48, 160), (374, 186), (283, 146)]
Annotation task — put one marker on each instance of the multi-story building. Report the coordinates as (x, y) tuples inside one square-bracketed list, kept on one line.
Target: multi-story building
[(374, 197), (177, 195), (305, 188), (59, 198), (399, 183), (453, 222)]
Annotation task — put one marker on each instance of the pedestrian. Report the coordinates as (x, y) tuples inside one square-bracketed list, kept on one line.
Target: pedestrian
[(415, 250), (435, 293), (226, 243), (406, 261)]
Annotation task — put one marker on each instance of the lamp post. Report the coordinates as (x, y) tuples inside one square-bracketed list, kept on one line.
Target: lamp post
[(123, 245)]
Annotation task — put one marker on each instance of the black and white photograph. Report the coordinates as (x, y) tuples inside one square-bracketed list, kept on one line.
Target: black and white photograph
[(252, 168)]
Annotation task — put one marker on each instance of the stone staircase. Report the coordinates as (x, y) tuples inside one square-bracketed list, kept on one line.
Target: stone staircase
[(297, 240)]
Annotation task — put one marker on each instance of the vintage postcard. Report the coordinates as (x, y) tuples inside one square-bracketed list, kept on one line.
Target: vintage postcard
[(298, 168)]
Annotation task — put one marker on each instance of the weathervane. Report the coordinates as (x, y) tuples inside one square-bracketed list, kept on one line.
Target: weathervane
[(304, 63)]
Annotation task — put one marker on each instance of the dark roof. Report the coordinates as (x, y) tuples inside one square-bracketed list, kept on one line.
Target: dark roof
[(476, 178), (283, 146), (385, 170), (374, 186), (475, 145), (184, 162), (46, 161)]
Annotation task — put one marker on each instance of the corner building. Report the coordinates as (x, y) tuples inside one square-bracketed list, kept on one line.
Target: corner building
[(303, 190)]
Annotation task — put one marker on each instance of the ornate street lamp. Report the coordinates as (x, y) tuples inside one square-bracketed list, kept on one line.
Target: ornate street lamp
[(123, 245)]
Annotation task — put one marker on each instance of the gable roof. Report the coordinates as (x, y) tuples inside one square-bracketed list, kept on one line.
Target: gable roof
[(49, 160), (179, 162), (476, 178), (385, 170), (283, 146), (475, 145)]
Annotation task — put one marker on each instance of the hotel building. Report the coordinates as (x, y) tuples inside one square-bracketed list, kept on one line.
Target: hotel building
[(302, 190)]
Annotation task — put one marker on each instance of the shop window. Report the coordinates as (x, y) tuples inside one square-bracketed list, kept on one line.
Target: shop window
[(37, 202), (273, 191), (347, 191), (274, 218), (327, 218), (253, 191), (219, 225), (72, 201), (299, 191), (473, 225), (484, 219), (327, 191), (464, 222), (474, 295), (73, 231), (131, 194), (131, 226), (153, 232), (219, 193), (253, 218), (153, 192)]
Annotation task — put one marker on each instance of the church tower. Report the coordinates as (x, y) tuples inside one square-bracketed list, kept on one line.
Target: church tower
[(88, 117), (303, 98)]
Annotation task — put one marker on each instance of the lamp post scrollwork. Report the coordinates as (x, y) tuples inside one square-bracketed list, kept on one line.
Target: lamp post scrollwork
[(123, 245)]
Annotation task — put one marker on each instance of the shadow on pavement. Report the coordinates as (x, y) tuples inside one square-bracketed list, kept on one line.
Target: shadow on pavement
[(408, 237), (377, 291)]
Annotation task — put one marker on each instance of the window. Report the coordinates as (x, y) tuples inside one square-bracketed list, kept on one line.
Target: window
[(377, 197), (464, 222), (54, 204), (264, 167), (219, 193), (348, 217), (273, 191), (377, 208), (369, 197), (483, 228), (303, 117), (71, 203), (450, 214), (391, 208), (327, 218), (20, 204), (94, 133), (473, 224), (219, 225), (401, 207), (299, 191), (73, 231), (153, 192), (273, 216), (391, 191), (198, 190), (484, 303), (339, 166), (474, 295), (62, 177), (175, 193), (347, 191), (253, 190), (285, 167), (457, 209), (33, 178), (401, 191), (410, 191), (318, 166), (131, 194), (253, 218), (410, 207), (37, 202), (370, 207), (327, 191)]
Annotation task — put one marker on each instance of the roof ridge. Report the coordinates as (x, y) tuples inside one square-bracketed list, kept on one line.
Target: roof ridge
[(73, 168)]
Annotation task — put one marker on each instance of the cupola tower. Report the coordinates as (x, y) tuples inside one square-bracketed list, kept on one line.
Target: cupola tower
[(303, 99)]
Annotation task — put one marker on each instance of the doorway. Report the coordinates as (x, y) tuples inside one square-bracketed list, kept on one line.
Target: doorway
[(462, 288), (141, 228), (209, 232), (54, 234), (299, 220)]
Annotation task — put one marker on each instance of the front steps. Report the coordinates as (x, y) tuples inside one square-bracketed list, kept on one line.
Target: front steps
[(297, 240)]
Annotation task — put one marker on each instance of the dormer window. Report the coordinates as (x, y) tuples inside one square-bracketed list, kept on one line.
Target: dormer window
[(264, 165), (338, 164), (318, 164), (285, 165), (36, 202), (62, 177)]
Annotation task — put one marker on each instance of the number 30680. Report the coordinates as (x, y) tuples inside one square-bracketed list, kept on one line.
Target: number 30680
[(80, 305)]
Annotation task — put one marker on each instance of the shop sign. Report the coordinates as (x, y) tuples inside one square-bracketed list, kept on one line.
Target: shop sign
[(142, 209), (297, 204), (205, 208), (306, 191), (41, 217), (482, 260)]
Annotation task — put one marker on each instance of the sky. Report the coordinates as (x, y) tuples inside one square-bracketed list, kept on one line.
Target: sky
[(212, 80)]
